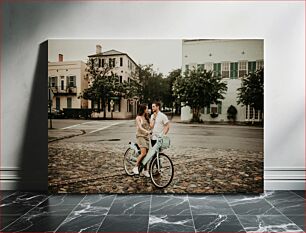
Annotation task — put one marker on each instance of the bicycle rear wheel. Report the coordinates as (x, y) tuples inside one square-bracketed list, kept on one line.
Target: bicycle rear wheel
[(129, 161), (161, 171)]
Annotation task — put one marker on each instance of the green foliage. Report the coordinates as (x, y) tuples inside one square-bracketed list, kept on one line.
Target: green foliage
[(199, 88), (153, 85), (251, 91), (231, 113), (106, 84), (168, 97)]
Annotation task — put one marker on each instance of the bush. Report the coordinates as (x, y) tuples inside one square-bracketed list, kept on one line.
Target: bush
[(231, 113)]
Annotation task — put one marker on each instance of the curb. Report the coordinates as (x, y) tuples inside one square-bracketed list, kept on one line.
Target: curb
[(65, 137)]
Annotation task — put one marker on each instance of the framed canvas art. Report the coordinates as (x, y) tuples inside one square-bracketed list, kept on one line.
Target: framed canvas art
[(155, 116)]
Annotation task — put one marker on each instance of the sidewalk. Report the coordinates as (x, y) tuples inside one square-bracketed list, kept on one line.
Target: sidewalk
[(177, 119), (56, 134)]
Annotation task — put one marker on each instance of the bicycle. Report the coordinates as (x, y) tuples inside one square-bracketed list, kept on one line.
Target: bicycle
[(161, 168)]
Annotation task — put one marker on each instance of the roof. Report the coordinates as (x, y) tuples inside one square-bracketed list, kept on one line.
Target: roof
[(112, 52)]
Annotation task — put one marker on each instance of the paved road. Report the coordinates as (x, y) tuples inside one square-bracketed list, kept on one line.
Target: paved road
[(206, 158), (113, 132)]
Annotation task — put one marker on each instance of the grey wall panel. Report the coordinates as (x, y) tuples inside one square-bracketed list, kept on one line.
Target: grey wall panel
[(26, 27)]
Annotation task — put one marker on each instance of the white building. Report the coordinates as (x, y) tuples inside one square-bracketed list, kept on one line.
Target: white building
[(232, 59), (125, 68), (67, 79)]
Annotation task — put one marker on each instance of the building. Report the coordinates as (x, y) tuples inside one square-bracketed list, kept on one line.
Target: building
[(122, 65), (232, 59), (67, 79)]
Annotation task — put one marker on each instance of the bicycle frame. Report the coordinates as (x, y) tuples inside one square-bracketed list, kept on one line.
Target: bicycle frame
[(152, 151)]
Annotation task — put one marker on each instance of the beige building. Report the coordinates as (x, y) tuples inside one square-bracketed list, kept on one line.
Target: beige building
[(67, 79), (122, 65)]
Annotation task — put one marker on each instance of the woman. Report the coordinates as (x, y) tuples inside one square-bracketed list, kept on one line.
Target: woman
[(142, 136)]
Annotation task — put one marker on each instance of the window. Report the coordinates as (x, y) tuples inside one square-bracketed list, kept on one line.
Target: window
[(116, 106), (71, 81), (251, 113), (225, 70), (234, 70), (112, 62), (251, 66), (69, 102), (62, 85), (103, 64), (95, 104), (120, 79), (186, 67), (129, 80), (209, 66), (96, 62), (214, 109), (259, 64), (58, 103), (242, 68), (200, 67), (53, 81), (100, 62), (129, 106), (217, 69), (121, 61)]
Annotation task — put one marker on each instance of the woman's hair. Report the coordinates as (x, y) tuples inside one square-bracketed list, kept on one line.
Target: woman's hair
[(141, 111)]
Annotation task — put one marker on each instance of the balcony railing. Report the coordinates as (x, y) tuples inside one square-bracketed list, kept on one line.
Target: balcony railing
[(64, 90)]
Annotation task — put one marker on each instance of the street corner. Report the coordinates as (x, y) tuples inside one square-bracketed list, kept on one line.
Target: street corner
[(59, 134)]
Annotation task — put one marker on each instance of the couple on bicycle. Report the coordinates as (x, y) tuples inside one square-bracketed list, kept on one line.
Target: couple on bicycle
[(158, 124)]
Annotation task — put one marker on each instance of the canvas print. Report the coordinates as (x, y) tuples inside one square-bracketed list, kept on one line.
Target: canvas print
[(155, 116)]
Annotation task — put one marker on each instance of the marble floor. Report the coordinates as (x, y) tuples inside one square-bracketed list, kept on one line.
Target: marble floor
[(273, 211)]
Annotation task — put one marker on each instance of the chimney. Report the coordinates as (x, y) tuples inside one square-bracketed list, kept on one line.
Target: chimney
[(60, 57), (98, 49)]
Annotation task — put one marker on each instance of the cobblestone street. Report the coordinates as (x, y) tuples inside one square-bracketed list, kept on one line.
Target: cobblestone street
[(95, 165)]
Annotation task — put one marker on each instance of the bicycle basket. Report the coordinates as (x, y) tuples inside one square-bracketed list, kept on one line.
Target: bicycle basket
[(165, 142)]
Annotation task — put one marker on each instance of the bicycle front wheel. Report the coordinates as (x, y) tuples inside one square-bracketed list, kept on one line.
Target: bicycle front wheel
[(129, 161), (161, 171)]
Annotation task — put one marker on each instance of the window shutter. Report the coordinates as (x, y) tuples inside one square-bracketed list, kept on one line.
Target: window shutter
[(250, 67), (67, 81), (220, 108)]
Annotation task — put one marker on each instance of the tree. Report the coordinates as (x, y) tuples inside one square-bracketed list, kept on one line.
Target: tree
[(152, 84), (104, 85), (199, 88), (168, 97), (251, 91)]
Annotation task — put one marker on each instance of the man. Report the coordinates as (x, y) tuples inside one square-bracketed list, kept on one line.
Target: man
[(159, 122)]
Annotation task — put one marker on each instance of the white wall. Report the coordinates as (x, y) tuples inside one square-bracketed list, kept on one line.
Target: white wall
[(222, 50), (26, 25)]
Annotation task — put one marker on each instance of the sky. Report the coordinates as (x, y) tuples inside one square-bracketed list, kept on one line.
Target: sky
[(165, 55)]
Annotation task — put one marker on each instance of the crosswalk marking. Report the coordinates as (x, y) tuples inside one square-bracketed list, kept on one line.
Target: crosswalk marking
[(72, 126), (105, 127)]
